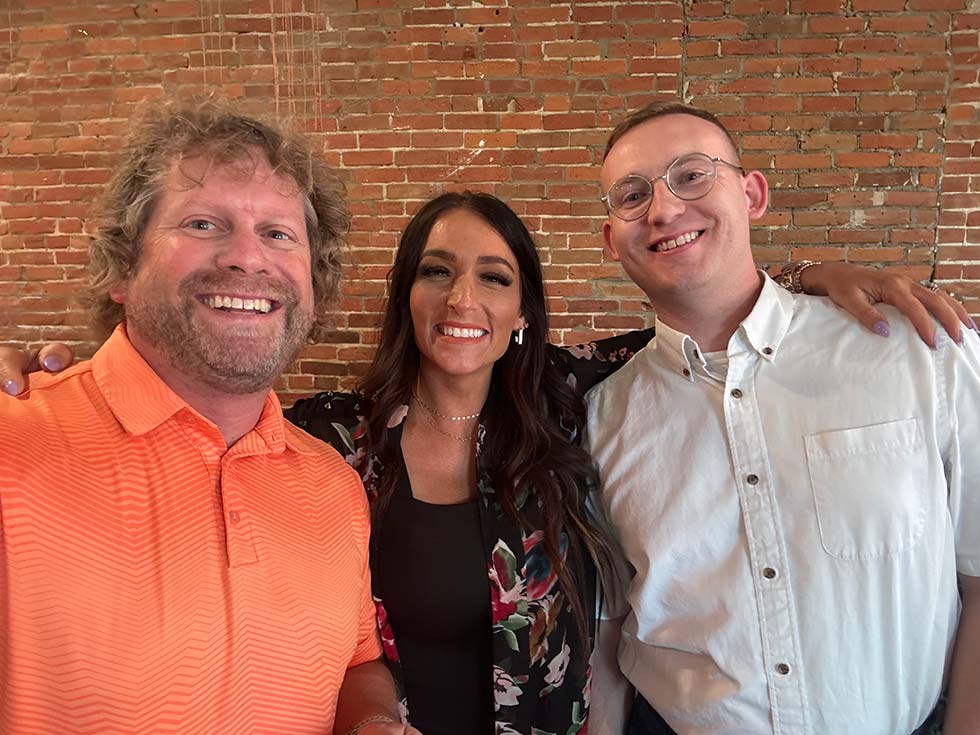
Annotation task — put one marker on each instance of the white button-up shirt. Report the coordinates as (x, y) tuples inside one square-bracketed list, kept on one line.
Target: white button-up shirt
[(796, 511)]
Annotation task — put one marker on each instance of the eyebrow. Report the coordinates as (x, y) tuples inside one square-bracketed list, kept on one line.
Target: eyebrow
[(482, 259)]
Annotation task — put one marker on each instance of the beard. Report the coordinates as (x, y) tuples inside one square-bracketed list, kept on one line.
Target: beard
[(237, 359)]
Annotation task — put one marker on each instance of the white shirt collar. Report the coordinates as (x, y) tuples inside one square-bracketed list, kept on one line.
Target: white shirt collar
[(762, 332)]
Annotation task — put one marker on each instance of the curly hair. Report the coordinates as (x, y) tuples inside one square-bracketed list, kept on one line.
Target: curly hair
[(172, 133)]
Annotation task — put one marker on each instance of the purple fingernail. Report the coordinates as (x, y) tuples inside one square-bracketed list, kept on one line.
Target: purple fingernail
[(975, 328), (52, 363), (10, 387), (881, 327)]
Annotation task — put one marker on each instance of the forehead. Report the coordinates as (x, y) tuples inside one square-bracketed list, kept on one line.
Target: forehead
[(224, 179), (651, 146), (463, 232)]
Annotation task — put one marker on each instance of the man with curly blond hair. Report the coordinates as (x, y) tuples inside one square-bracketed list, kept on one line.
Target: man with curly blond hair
[(174, 556)]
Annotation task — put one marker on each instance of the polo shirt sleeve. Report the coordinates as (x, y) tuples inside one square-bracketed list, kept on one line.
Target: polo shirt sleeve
[(368, 640), (958, 374)]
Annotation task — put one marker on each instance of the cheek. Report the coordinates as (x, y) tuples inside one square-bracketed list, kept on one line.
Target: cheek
[(415, 305), (300, 270)]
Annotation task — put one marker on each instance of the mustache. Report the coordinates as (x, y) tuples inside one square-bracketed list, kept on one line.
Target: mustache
[(275, 289)]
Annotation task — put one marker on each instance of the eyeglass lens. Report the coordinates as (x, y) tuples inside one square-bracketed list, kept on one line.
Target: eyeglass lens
[(689, 177)]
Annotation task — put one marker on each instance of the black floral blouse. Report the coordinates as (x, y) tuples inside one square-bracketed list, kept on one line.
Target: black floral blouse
[(542, 670)]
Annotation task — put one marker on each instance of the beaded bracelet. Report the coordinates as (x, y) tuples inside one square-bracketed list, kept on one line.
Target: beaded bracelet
[(368, 721)]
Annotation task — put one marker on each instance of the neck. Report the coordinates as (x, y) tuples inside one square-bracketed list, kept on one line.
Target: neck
[(453, 395), (235, 414), (709, 316)]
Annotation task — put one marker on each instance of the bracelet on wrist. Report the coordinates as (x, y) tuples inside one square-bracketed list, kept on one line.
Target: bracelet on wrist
[(791, 278)]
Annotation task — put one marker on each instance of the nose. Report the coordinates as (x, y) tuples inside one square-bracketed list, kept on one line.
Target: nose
[(460, 294), (665, 206), (243, 252)]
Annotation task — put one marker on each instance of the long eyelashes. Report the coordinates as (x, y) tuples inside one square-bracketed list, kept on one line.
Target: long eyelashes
[(438, 271)]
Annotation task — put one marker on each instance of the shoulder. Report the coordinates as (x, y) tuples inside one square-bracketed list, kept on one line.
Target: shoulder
[(49, 397), (818, 321), (336, 406), (330, 416), (324, 463), (619, 382), (589, 363)]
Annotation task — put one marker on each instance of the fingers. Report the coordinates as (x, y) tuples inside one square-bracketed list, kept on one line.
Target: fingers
[(947, 311), (857, 305), (55, 357), (13, 364), (923, 308)]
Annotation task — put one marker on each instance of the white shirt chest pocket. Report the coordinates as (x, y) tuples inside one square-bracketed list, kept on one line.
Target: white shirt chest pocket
[(869, 488)]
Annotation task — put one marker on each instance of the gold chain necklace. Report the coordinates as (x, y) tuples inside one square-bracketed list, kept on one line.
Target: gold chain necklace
[(432, 411), (432, 423)]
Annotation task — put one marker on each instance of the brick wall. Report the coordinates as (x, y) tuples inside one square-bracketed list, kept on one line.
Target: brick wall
[(864, 114)]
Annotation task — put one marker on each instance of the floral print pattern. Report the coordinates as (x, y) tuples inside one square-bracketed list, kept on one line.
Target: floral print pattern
[(542, 675)]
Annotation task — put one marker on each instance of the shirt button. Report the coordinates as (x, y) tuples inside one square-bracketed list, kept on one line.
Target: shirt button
[(233, 516), (736, 393), (769, 573), (782, 669), (752, 479), (767, 350), (687, 373)]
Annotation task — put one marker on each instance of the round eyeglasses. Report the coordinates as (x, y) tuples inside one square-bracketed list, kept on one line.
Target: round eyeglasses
[(688, 177)]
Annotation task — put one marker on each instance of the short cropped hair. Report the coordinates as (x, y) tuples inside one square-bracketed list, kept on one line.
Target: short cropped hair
[(661, 109), (170, 134)]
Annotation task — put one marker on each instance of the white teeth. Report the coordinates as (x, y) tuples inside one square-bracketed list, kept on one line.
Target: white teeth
[(262, 306), (677, 242), (461, 332)]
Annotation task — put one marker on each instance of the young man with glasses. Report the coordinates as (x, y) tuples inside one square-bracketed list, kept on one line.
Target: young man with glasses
[(799, 498)]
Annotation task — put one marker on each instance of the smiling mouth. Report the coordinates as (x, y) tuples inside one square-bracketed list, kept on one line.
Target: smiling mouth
[(253, 305), (662, 246), (462, 332)]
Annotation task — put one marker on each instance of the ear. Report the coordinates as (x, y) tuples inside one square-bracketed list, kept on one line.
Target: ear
[(521, 323), (610, 248), (117, 292), (756, 194)]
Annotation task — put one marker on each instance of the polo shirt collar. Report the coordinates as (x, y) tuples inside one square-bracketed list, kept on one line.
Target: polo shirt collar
[(141, 401), (762, 332)]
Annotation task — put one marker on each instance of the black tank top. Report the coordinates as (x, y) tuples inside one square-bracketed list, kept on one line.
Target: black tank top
[(437, 595)]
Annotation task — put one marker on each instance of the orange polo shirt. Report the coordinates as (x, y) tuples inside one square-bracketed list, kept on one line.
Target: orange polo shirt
[(152, 581)]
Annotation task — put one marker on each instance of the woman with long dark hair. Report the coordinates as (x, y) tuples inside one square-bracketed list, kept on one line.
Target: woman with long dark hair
[(464, 430)]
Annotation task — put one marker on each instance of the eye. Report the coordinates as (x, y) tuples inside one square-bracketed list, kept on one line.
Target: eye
[(499, 279), (432, 270), (201, 225), (279, 235)]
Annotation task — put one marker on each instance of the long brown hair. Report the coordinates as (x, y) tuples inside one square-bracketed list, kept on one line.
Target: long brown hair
[(530, 411)]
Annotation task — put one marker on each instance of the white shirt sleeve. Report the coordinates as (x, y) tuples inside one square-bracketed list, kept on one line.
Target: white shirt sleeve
[(958, 384)]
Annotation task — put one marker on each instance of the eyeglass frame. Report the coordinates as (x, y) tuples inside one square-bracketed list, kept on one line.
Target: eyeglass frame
[(715, 160)]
